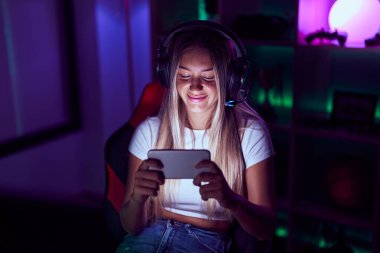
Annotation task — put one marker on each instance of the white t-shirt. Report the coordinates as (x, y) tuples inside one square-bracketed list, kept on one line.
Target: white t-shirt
[(256, 146)]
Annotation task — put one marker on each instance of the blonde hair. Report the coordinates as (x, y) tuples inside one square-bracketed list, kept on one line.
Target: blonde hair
[(226, 127)]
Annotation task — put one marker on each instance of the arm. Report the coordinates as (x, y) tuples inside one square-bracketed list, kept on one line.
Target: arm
[(255, 213), (141, 184)]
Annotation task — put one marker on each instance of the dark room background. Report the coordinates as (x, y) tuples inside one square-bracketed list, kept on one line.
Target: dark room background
[(72, 72)]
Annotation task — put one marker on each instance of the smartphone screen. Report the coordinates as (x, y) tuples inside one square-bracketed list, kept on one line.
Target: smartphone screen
[(180, 163)]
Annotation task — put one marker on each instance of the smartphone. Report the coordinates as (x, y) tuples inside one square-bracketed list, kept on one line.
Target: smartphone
[(180, 163)]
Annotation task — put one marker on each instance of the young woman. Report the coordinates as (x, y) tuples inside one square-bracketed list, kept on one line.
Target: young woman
[(203, 108)]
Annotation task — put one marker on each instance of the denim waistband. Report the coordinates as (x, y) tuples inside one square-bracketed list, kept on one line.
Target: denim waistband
[(165, 235)]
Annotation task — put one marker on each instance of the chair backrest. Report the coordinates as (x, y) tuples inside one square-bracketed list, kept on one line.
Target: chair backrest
[(116, 158)]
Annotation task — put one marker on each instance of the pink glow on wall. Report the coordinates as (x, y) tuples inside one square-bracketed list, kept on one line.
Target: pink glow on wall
[(359, 18), (312, 16)]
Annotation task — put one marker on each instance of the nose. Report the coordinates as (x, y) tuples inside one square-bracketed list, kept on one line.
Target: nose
[(196, 84)]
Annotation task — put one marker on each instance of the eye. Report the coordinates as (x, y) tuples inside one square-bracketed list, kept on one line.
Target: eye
[(208, 78), (183, 76)]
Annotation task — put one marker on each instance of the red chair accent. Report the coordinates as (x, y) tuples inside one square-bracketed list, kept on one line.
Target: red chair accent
[(116, 189)]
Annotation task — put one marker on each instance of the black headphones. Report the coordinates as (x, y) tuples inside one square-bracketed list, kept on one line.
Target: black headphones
[(237, 69)]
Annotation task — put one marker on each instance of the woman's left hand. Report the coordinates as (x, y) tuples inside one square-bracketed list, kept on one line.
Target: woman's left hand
[(213, 184)]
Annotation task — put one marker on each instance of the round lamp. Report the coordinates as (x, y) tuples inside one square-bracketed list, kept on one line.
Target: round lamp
[(359, 18)]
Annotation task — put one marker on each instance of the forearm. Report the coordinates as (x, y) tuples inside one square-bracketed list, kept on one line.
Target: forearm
[(258, 221), (133, 216)]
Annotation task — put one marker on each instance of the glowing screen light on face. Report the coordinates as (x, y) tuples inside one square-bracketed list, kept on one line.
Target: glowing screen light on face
[(359, 18)]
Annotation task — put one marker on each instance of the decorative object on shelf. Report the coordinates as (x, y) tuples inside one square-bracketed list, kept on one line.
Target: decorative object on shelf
[(261, 27), (359, 18), (354, 111), (373, 41), (349, 183), (325, 37)]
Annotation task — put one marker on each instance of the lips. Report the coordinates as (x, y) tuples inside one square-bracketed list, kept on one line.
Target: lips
[(196, 98)]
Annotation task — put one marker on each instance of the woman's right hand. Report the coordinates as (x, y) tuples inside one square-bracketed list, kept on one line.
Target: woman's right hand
[(148, 179)]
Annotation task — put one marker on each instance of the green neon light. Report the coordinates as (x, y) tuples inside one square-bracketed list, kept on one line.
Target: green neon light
[(285, 101), (322, 243), (329, 106), (260, 96), (360, 250), (202, 14), (281, 232)]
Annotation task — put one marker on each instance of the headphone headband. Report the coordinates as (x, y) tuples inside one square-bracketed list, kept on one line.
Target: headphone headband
[(210, 25), (237, 69)]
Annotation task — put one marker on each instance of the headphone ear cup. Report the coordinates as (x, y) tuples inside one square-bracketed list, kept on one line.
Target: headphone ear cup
[(237, 70), (163, 70)]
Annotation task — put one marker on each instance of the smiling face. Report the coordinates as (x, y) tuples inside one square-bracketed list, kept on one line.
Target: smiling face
[(196, 84)]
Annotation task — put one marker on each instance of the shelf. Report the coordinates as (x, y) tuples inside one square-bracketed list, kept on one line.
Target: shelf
[(298, 45), (333, 215), (255, 42), (338, 134), (336, 47)]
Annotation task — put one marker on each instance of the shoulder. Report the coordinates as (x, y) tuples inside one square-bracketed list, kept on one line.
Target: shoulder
[(254, 129), (147, 130), (248, 119), (151, 123), (144, 137), (252, 124), (256, 142)]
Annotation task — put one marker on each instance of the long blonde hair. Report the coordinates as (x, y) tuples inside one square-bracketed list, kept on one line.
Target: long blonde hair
[(226, 127)]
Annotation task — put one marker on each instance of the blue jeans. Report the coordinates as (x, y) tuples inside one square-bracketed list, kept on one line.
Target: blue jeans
[(171, 236)]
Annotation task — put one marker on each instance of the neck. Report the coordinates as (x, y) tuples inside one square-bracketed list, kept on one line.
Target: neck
[(198, 121)]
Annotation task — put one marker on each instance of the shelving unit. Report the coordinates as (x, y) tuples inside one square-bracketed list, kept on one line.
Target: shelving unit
[(300, 84), (302, 80)]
